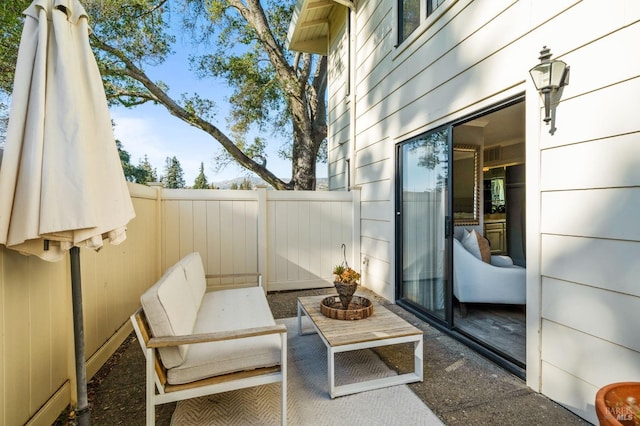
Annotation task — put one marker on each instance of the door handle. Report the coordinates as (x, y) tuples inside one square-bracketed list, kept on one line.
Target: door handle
[(447, 227)]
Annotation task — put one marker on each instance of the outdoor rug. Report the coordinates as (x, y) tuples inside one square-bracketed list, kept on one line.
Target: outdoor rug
[(308, 401)]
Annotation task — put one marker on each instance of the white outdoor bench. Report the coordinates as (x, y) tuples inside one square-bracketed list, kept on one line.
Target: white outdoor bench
[(200, 343)]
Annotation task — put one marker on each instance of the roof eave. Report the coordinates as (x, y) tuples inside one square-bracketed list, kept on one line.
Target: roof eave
[(308, 15)]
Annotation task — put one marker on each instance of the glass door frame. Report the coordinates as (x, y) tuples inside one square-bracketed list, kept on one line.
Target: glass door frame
[(447, 321), (447, 325)]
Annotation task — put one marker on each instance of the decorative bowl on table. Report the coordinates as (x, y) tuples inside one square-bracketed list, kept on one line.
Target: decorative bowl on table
[(358, 308)]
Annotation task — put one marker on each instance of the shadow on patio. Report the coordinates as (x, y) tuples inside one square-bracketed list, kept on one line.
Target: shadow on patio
[(460, 386)]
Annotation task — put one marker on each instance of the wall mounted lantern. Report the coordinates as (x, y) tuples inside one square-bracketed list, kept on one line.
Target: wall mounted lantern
[(549, 76)]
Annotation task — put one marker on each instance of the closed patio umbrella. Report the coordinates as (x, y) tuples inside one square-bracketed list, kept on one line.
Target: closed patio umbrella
[(61, 180)]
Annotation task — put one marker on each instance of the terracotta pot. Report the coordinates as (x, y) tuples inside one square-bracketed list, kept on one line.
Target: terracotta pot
[(618, 404), (345, 292)]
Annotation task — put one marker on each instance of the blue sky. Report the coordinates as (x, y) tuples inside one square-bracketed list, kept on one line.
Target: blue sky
[(150, 130)]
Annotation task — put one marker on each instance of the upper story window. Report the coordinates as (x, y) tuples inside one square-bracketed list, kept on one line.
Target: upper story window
[(411, 13)]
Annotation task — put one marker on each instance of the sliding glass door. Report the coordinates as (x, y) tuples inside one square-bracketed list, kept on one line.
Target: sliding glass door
[(423, 212)]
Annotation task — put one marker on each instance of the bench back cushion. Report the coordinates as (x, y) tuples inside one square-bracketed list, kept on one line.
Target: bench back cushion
[(171, 305), (194, 274)]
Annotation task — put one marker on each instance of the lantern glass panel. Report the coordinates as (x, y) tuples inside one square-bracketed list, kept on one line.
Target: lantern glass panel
[(557, 71), (541, 75)]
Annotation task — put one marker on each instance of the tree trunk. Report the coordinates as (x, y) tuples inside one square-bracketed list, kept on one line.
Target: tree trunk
[(304, 163)]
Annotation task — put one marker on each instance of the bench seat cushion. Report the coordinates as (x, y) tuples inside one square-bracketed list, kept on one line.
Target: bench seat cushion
[(227, 310)]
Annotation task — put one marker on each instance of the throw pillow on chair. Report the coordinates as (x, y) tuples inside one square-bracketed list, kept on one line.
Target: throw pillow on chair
[(477, 245)]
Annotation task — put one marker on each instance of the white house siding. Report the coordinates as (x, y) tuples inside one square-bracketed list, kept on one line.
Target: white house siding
[(583, 182), (338, 102), (589, 197), (449, 67)]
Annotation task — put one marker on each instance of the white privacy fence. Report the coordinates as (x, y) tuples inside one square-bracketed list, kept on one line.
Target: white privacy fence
[(292, 238)]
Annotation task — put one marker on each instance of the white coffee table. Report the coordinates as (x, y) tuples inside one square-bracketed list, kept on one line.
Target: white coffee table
[(383, 328)]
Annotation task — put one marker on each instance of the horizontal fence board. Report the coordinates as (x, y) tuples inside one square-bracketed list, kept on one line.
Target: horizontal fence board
[(140, 192), (208, 194), (333, 196)]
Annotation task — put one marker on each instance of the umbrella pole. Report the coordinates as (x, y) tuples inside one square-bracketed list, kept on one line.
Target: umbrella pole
[(83, 414)]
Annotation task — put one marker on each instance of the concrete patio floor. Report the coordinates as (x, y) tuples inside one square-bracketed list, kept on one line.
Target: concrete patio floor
[(460, 386)]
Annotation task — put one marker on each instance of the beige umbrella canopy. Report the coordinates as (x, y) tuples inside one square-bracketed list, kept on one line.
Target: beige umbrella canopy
[(61, 180)]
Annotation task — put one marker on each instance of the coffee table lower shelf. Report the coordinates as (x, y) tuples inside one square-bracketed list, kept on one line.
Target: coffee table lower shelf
[(383, 328)]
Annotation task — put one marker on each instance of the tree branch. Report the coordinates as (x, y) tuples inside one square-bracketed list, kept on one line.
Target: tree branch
[(153, 9), (176, 110)]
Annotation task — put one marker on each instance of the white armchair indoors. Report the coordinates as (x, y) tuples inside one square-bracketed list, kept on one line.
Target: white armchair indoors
[(476, 281)]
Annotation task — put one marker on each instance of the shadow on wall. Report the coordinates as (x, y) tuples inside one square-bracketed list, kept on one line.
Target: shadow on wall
[(377, 217), (590, 298)]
